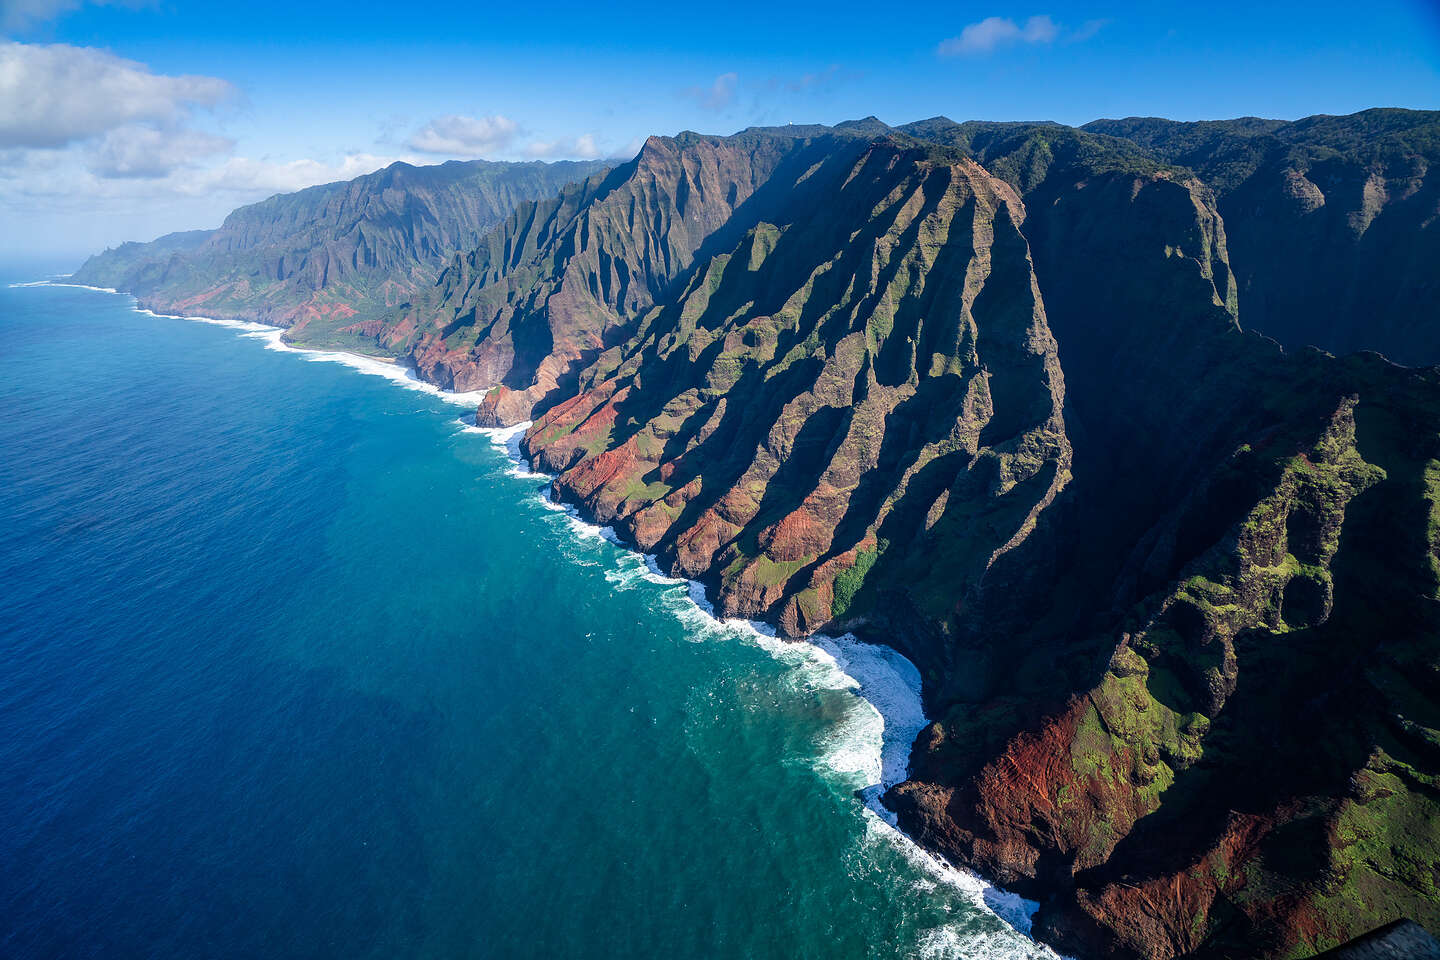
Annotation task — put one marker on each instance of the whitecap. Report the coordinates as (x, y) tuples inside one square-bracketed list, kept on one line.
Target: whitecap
[(59, 282), (371, 366), (271, 336), (656, 575), (508, 439), (871, 745), (82, 286)]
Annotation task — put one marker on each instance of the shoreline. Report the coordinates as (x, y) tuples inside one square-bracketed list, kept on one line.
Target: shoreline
[(389, 368), (870, 672), (876, 674)]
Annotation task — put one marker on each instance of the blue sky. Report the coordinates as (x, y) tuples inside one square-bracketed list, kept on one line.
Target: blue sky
[(165, 115)]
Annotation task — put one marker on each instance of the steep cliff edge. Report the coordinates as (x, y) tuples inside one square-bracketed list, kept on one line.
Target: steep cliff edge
[(1332, 221), (327, 260), (562, 280), (853, 414), (1187, 742), (1099, 601), (987, 393), (869, 370)]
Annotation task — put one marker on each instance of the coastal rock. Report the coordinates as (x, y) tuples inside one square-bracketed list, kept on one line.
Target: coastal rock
[(989, 393), (1332, 221), (796, 410), (318, 260)]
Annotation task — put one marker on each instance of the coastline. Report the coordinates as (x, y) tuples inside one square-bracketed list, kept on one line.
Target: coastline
[(879, 676), (876, 674)]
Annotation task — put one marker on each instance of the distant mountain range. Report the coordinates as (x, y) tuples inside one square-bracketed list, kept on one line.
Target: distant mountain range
[(1037, 405), (323, 259)]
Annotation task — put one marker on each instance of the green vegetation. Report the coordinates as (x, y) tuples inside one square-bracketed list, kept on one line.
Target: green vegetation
[(333, 256), (849, 581), (1172, 589)]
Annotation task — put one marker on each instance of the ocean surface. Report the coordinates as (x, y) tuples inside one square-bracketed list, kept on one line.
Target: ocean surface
[(295, 663)]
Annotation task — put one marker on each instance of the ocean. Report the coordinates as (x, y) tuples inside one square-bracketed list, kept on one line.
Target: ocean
[(298, 663)]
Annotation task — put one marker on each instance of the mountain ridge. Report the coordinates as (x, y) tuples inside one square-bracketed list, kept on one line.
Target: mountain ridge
[(988, 393), (325, 258)]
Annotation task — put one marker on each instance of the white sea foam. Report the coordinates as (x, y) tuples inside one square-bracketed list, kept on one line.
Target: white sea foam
[(871, 744), (60, 282), (246, 325), (891, 684), (271, 337), (371, 366), (652, 564), (955, 940), (82, 286)]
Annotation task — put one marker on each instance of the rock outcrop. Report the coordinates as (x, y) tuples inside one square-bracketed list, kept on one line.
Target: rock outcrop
[(873, 367), (990, 393), (565, 279), (1332, 221), (325, 260)]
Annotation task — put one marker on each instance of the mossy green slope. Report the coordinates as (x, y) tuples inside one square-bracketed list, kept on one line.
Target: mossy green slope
[(821, 391), (563, 280), (990, 393)]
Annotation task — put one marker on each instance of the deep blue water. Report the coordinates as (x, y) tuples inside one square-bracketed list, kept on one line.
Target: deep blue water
[(293, 665)]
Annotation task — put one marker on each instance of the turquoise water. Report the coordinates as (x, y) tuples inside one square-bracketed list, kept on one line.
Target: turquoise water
[(297, 665)]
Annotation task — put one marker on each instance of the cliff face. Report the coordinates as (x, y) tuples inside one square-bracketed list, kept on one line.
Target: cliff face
[(563, 280), (325, 260), (819, 392), (1178, 745), (131, 264), (987, 392), (1168, 605), (1330, 219), (1252, 771)]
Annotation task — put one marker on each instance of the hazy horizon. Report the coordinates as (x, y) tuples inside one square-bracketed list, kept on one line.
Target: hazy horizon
[(127, 121)]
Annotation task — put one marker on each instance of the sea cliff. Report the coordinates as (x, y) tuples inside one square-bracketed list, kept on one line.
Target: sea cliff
[(991, 393)]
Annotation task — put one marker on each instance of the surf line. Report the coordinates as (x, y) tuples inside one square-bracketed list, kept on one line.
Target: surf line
[(877, 675), (272, 337)]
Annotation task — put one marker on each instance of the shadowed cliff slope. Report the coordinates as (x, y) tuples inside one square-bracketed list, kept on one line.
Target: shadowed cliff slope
[(989, 393), (564, 279), (1218, 559), (817, 390), (1098, 603), (1332, 221), (325, 260)]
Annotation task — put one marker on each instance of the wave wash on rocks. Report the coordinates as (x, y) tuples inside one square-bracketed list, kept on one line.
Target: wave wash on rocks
[(982, 392)]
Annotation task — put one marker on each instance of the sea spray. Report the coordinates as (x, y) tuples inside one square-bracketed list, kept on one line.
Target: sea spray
[(868, 748), (60, 283), (273, 339), (874, 745)]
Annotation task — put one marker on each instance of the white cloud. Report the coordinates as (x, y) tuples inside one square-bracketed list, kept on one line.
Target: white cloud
[(465, 136), (242, 175), (719, 95), (994, 32), (137, 152), (55, 179), (582, 147), (52, 95), (51, 201)]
